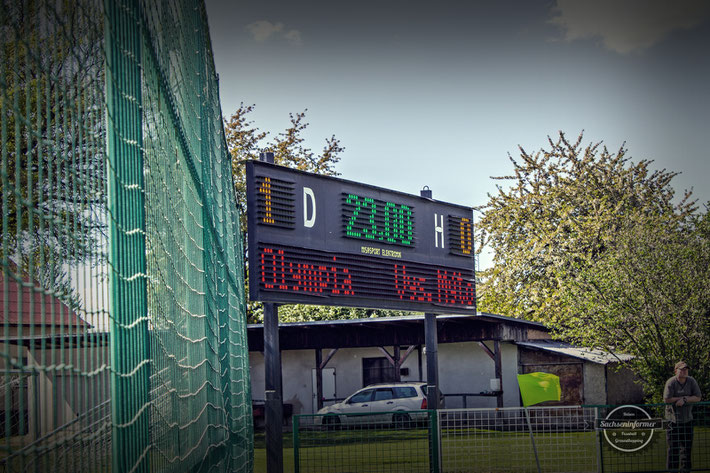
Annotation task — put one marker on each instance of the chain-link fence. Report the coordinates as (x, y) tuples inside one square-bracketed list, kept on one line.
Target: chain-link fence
[(537, 439), (122, 321), (377, 442), (518, 439)]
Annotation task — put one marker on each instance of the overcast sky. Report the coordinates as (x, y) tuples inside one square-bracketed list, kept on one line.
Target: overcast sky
[(438, 93)]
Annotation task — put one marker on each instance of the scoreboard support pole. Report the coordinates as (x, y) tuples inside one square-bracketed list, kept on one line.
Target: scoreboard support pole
[(432, 361), (432, 382), (431, 339), (273, 406)]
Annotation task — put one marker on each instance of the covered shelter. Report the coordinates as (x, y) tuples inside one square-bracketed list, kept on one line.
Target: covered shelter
[(391, 349)]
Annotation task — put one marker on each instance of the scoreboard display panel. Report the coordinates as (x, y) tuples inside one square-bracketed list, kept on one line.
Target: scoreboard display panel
[(328, 241)]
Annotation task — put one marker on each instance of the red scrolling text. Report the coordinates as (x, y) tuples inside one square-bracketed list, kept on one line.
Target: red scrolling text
[(410, 287), (280, 274), (449, 287), (452, 288), (327, 276)]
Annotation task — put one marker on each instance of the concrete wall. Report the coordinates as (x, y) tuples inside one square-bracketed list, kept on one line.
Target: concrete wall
[(463, 368), (466, 368), (611, 384), (623, 385), (297, 378), (594, 384)]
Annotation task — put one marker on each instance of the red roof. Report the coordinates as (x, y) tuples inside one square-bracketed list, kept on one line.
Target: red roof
[(31, 310)]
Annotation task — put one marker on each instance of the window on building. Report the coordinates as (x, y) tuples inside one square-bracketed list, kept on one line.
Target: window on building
[(377, 370)]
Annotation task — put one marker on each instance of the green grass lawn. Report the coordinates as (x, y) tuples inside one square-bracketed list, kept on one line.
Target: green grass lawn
[(345, 451), (468, 451), (260, 452)]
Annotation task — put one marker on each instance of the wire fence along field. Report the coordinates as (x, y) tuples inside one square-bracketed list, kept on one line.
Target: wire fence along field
[(123, 338), (539, 439), (381, 442), (488, 440)]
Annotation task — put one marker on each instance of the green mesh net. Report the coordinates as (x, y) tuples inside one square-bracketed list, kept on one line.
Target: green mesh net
[(122, 309)]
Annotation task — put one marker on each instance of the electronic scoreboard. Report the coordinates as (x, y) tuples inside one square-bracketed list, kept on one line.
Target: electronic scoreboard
[(328, 241)]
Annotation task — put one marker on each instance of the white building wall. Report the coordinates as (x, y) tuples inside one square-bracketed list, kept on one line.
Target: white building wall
[(594, 383), (463, 368), (466, 368), (297, 379), (257, 375)]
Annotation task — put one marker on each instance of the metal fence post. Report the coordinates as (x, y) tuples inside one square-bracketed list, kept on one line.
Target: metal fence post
[(600, 457), (126, 203), (296, 444), (434, 445)]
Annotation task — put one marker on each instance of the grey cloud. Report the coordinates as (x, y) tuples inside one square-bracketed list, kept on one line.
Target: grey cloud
[(293, 36), (626, 26), (264, 30)]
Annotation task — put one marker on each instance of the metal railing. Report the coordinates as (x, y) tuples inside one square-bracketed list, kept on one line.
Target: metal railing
[(452, 400), (536, 439), (376, 442), (519, 439)]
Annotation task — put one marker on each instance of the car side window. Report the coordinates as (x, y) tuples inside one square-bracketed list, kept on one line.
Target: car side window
[(404, 391), (383, 394), (363, 396)]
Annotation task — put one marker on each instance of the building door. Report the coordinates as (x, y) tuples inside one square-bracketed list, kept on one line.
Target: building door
[(328, 375)]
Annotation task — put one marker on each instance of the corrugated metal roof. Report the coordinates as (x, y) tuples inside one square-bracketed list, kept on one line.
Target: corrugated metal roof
[(588, 354)]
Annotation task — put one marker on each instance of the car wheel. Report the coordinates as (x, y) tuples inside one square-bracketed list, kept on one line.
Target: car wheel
[(401, 420), (331, 422)]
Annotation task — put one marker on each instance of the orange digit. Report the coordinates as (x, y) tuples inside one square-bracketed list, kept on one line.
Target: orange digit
[(465, 236), (265, 190)]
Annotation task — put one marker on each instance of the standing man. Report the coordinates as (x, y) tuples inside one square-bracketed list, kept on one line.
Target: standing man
[(679, 393)]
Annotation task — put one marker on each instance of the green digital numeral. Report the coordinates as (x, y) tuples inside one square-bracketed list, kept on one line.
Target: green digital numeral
[(381, 221)]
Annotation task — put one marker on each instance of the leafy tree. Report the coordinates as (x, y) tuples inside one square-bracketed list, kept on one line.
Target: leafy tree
[(595, 246), (650, 297), (566, 207), (245, 142), (51, 84)]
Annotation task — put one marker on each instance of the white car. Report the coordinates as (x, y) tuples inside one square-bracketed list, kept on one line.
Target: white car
[(379, 403)]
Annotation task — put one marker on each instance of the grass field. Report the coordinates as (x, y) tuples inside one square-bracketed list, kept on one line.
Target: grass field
[(469, 451), (260, 452)]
